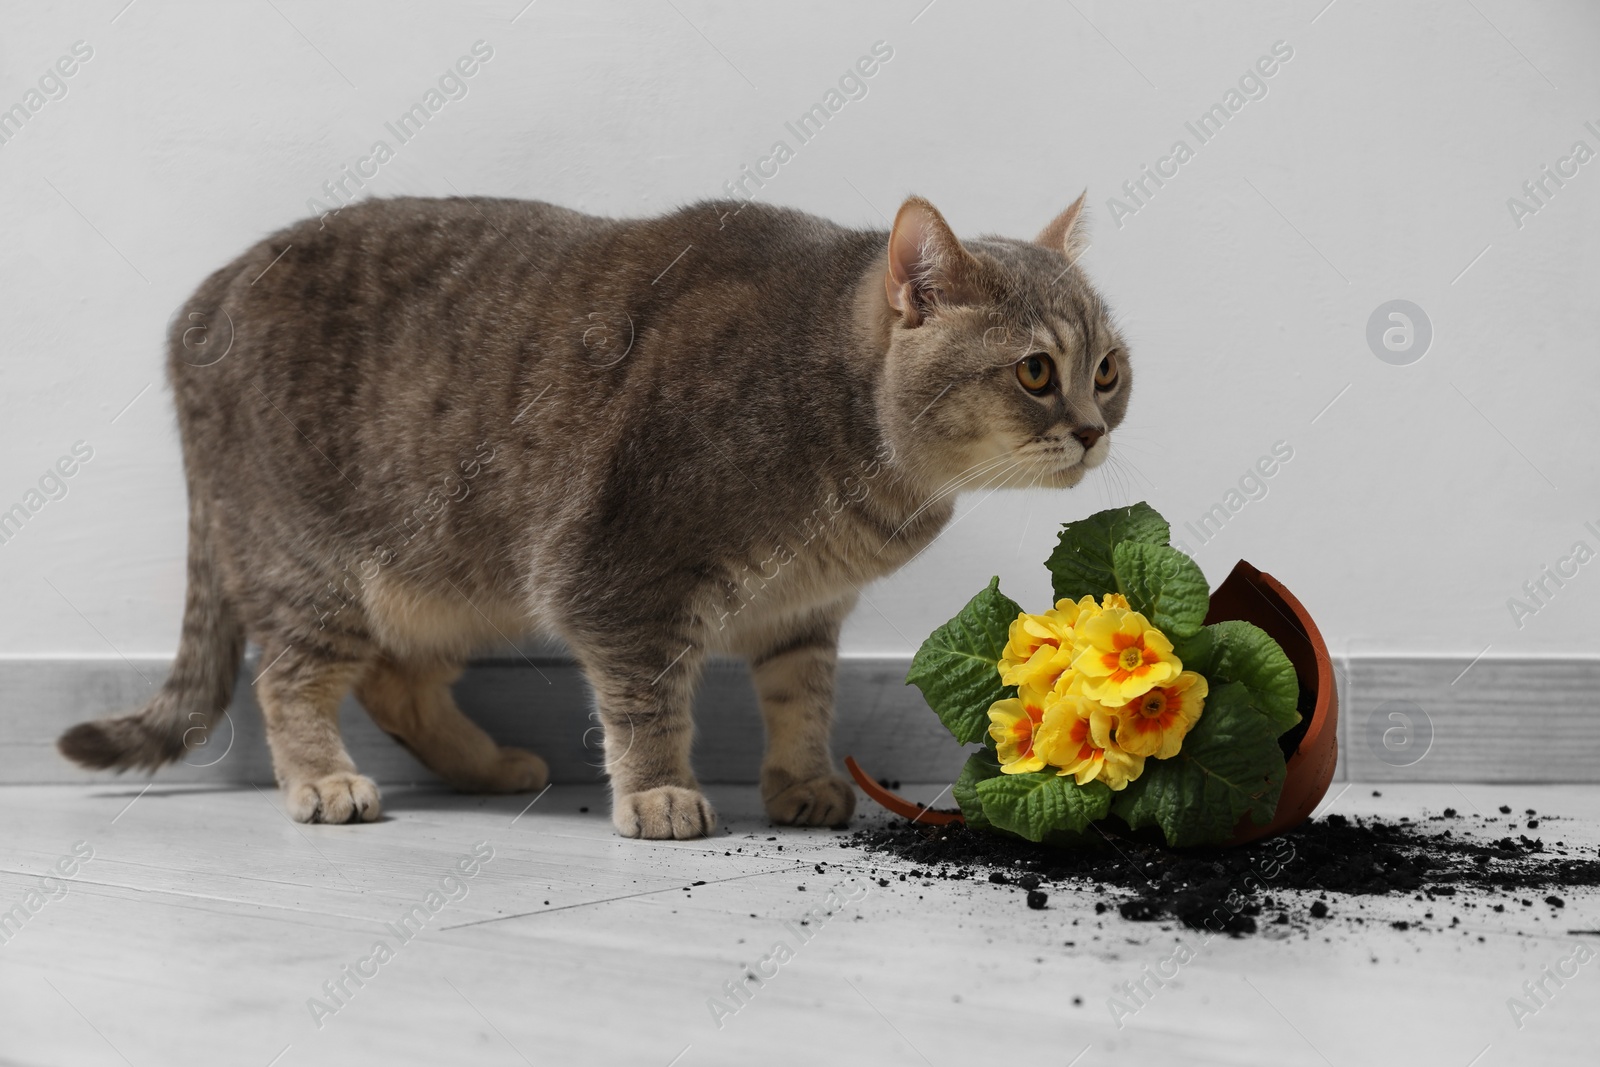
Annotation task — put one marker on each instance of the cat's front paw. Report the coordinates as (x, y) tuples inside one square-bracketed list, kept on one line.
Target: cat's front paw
[(338, 798), (826, 801), (667, 811)]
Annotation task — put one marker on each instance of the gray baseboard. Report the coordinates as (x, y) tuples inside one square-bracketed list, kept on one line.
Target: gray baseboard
[(1486, 720), (1503, 720)]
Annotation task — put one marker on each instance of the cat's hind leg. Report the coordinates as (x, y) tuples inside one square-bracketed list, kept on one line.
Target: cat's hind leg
[(299, 694), (794, 679), (411, 702)]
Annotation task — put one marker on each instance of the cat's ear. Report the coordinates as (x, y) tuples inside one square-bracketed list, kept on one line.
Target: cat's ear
[(1066, 234), (927, 263)]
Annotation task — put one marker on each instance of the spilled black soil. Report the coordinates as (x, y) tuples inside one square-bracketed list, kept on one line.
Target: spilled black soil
[(1457, 865)]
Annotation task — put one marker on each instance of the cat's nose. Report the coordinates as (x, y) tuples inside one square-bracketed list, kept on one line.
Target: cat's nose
[(1088, 436)]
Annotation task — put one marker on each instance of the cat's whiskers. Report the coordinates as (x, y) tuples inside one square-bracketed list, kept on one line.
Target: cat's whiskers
[(977, 469), (1050, 455), (1117, 475), (1133, 442), (1110, 483), (988, 478), (1116, 485), (1123, 467), (981, 469), (998, 480), (1110, 488), (952, 485), (1044, 458), (1038, 476)]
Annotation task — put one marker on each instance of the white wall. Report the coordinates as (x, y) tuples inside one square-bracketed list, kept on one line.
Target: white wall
[(1377, 167)]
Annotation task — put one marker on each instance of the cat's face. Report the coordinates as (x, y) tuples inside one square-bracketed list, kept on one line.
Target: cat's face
[(1004, 367)]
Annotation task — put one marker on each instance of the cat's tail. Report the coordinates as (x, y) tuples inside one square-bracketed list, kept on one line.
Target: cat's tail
[(201, 683)]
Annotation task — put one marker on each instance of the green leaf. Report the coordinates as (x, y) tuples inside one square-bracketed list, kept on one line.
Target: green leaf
[(1036, 804), (1244, 653), (1197, 650), (1230, 766), (1081, 563), (1163, 585), (957, 667), (981, 766)]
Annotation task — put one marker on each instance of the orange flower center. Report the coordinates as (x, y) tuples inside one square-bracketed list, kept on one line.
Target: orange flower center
[(1128, 658), (1153, 704), (1158, 710)]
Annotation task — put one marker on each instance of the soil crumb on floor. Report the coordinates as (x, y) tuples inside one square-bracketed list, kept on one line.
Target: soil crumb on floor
[(1453, 863)]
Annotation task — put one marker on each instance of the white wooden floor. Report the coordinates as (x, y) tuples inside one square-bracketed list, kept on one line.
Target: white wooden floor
[(205, 921)]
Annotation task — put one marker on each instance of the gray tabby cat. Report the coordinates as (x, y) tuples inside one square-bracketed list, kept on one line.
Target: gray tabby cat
[(443, 423)]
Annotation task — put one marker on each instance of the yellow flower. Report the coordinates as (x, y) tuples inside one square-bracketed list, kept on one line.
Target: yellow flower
[(1120, 657), (1156, 723), (1066, 740), (1040, 647), (1012, 724), (1121, 768), (1077, 668)]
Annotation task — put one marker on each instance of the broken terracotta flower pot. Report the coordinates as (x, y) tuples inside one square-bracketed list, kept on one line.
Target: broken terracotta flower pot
[(1261, 599), (1257, 598)]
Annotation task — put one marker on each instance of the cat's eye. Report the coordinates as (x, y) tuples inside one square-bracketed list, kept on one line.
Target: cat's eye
[(1105, 375), (1036, 373)]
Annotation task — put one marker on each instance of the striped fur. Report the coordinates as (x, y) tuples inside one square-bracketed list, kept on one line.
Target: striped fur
[(443, 424)]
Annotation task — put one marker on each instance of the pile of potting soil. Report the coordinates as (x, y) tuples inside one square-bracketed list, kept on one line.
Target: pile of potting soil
[(1450, 861)]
